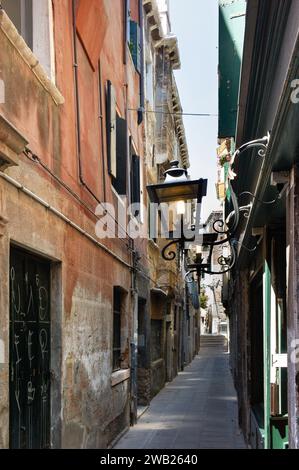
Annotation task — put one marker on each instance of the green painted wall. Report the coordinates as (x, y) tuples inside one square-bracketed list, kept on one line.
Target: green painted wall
[(266, 328), (232, 15)]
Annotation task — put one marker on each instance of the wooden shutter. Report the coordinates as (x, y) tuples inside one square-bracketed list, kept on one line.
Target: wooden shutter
[(120, 182), (111, 129), (135, 183), (92, 26)]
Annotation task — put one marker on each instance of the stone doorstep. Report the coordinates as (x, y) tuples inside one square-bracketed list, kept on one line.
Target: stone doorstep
[(141, 410)]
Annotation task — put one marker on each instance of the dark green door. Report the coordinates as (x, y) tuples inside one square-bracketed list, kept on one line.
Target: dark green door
[(29, 351)]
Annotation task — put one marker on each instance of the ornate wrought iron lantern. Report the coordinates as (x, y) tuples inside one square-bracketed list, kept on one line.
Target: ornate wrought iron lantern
[(178, 187)]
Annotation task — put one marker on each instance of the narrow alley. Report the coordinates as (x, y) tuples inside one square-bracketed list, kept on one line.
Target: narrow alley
[(149, 227), (198, 410)]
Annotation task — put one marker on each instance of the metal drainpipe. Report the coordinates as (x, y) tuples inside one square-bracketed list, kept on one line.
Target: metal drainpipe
[(102, 129), (134, 346), (134, 293), (134, 343)]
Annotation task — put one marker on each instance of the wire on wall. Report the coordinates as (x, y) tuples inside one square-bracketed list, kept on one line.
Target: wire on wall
[(173, 113)]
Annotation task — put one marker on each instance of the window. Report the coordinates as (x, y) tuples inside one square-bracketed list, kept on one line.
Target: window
[(88, 93), (117, 301), (135, 44), (135, 182), (156, 339), (117, 136), (34, 22), (20, 13), (120, 181)]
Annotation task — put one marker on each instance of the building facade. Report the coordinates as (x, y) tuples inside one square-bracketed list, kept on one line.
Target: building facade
[(212, 284), (84, 313), (261, 293), (170, 327), (68, 337)]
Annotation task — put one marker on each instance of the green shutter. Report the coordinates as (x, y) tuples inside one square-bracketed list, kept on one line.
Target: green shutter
[(232, 15), (135, 44), (266, 325)]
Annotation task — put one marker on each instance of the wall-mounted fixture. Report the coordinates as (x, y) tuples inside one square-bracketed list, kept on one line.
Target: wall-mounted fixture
[(179, 188)]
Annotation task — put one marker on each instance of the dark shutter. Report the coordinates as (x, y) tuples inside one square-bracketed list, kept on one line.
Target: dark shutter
[(111, 129), (120, 182), (21, 14), (135, 183)]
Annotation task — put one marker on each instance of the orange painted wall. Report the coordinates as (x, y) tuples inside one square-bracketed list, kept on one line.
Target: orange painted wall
[(88, 272)]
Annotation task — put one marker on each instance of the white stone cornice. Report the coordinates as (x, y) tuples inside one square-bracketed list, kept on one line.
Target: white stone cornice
[(11, 33), (160, 40), (12, 144), (179, 124), (171, 43)]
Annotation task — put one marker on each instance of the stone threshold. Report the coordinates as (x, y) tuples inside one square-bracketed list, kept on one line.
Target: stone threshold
[(141, 410)]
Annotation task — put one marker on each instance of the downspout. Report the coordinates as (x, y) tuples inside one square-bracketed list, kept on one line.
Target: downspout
[(134, 293), (134, 342), (102, 129)]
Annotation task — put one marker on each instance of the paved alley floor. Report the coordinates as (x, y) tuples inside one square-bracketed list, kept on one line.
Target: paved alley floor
[(197, 410)]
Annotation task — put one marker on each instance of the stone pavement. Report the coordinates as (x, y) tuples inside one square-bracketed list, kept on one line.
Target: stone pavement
[(197, 410)]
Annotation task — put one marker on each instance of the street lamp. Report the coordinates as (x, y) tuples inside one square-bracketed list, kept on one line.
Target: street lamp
[(179, 188)]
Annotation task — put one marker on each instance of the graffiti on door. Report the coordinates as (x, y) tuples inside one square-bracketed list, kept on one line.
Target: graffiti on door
[(29, 351)]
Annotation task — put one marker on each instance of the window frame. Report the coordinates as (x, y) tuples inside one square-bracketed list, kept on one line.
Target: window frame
[(138, 192), (24, 11), (157, 346), (116, 134), (39, 35)]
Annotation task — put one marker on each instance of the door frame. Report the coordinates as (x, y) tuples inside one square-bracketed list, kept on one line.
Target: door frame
[(56, 315)]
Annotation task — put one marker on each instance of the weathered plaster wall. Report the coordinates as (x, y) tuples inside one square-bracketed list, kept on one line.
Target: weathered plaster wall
[(89, 411)]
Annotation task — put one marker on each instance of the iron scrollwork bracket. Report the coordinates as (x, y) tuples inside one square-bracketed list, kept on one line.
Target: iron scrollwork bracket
[(262, 143), (170, 255), (226, 229)]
